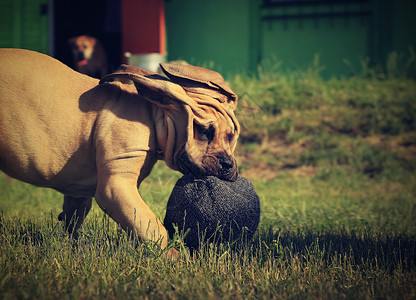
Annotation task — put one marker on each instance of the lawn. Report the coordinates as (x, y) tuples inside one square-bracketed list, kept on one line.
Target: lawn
[(333, 163)]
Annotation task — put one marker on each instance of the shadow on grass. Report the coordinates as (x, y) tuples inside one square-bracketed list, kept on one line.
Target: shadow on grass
[(384, 251)]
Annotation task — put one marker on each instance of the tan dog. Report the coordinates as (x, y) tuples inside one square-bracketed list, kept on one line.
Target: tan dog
[(63, 130), (88, 56)]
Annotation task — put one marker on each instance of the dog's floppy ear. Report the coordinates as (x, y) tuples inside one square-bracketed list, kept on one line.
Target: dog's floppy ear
[(201, 81), (157, 89), (167, 93)]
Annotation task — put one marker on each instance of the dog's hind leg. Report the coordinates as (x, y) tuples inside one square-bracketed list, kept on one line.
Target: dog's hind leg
[(75, 209)]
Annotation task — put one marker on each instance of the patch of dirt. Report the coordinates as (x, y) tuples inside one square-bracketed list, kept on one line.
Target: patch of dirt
[(404, 145), (273, 158)]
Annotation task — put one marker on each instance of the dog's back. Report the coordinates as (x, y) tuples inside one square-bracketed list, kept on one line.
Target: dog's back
[(40, 115)]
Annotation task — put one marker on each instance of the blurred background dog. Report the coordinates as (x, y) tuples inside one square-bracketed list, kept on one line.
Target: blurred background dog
[(88, 56)]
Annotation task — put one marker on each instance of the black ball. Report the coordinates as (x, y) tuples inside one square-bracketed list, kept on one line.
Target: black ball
[(213, 210)]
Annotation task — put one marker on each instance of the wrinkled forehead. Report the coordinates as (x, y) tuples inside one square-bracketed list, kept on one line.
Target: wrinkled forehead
[(225, 121)]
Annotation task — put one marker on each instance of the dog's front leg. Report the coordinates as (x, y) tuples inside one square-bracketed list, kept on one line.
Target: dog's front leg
[(117, 194), (120, 199)]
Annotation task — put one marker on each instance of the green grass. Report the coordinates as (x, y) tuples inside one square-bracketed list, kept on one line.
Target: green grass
[(334, 165)]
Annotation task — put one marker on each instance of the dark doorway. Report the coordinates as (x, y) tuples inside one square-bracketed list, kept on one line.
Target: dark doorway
[(97, 18)]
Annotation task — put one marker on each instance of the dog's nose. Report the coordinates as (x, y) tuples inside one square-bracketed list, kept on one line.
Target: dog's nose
[(226, 162), (80, 56), (228, 168)]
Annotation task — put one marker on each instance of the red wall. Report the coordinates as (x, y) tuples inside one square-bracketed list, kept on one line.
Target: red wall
[(143, 26)]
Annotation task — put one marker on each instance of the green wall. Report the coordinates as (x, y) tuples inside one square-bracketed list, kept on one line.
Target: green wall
[(338, 34), (233, 36), (24, 24), (403, 24)]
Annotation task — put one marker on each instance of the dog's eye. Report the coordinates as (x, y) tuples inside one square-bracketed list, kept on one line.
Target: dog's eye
[(230, 137), (207, 134)]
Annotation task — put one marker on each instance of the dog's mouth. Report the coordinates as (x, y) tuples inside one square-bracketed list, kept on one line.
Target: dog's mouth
[(81, 59), (83, 62), (222, 166)]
